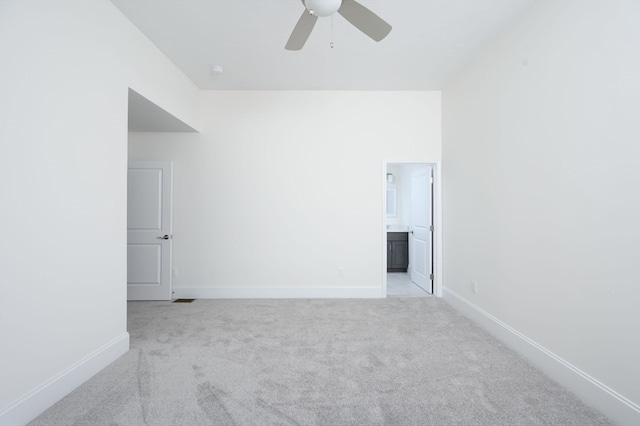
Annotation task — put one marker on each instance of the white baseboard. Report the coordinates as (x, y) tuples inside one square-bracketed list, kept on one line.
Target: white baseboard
[(40, 399), (277, 293), (606, 400)]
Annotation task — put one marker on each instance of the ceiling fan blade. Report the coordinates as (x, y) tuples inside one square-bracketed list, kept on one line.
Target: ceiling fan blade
[(301, 32), (364, 19)]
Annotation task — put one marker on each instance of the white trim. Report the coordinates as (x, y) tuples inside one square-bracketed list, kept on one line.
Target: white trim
[(44, 396), (437, 219), (276, 293), (615, 406)]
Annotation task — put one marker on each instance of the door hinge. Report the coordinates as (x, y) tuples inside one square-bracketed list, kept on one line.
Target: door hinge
[(431, 277), (431, 228), (430, 179)]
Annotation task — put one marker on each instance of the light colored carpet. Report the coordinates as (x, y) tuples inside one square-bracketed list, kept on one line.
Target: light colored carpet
[(399, 361)]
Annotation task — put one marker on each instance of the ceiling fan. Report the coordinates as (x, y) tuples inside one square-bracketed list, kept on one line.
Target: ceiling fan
[(359, 16)]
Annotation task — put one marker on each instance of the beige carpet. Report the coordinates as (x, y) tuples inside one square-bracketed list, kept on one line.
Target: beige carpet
[(397, 361)]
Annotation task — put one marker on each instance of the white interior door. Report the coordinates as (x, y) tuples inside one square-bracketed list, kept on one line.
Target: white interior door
[(149, 230), (421, 235)]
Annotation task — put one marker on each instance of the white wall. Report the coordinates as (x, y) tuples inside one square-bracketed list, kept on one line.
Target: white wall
[(541, 163), (402, 181), (283, 188), (65, 69)]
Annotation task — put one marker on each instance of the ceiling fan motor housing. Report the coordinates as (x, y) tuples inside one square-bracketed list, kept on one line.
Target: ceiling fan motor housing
[(322, 7)]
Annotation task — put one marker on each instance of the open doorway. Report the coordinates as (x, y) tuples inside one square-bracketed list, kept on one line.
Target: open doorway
[(409, 229), (149, 206)]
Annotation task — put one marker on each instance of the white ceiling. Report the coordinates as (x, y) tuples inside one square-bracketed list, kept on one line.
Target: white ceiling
[(431, 40)]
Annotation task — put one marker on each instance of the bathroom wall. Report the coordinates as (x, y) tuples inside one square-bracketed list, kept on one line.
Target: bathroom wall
[(402, 181)]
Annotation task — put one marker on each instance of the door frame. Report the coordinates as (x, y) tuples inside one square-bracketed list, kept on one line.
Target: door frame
[(437, 219)]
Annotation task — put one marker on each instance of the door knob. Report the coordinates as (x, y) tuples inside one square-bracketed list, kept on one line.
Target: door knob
[(165, 237)]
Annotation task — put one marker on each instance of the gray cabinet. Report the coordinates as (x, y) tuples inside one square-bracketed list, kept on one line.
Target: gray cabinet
[(397, 251)]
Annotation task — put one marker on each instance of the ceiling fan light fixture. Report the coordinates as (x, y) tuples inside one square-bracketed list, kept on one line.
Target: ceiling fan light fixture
[(359, 16), (322, 7)]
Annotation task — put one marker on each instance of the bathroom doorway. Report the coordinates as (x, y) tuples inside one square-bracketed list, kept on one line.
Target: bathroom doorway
[(409, 229)]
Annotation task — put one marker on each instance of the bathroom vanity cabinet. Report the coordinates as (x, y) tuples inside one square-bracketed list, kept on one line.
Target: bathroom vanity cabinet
[(397, 251)]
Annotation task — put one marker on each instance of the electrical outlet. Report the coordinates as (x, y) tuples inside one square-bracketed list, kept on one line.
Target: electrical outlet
[(340, 271), (474, 287), (174, 272)]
